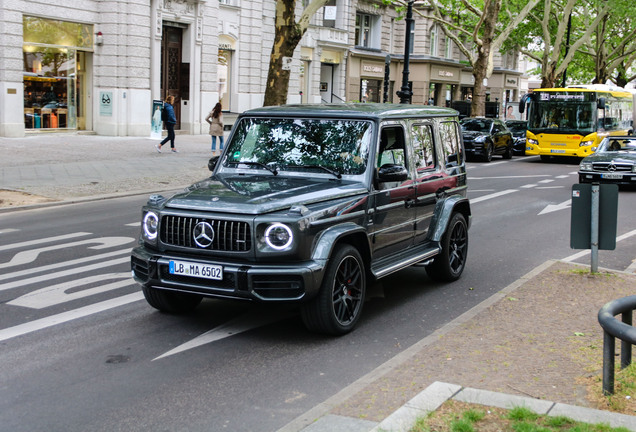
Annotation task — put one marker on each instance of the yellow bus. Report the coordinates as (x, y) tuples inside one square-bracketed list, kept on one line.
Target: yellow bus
[(572, 121)]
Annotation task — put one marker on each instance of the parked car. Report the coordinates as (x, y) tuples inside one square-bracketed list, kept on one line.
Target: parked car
[(613, 162), (485, 137), (518, 129), (310, 204)]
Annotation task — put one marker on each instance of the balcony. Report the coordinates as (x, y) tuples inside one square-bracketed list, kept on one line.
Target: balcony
[(332, 36)]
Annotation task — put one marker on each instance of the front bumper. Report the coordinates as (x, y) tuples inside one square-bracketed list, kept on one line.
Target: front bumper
[(535, 150), (244, 281), (602, 177)]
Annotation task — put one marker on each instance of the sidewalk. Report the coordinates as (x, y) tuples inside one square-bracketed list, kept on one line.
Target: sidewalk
[(517, 347)]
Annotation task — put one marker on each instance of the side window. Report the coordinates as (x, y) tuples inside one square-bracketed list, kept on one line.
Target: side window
[(423, 147), (392, 150), (449, 135)]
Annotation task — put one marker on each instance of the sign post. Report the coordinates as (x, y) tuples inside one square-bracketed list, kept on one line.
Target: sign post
[(594, 218)]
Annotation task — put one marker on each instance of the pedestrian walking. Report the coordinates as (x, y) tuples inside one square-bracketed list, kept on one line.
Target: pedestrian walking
[(169, 119), (215, 119)]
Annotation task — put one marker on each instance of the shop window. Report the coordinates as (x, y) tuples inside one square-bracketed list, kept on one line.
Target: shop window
[(370, 90), (50, 52)]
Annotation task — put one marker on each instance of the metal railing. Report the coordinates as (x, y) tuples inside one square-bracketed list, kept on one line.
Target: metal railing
[(612, 329)]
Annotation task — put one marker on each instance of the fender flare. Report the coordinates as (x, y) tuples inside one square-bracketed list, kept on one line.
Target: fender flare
[(329, 237), (445, 209)]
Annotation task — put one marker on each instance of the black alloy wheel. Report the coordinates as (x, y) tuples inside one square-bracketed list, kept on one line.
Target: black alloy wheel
[(338, 306), (449, 265), (488, 151)]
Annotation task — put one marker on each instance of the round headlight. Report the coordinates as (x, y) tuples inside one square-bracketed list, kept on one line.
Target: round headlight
[(151, 225), (586, 166), (278, 236)]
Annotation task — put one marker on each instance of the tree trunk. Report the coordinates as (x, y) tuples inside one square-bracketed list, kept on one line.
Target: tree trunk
[(482, 68), (286, 38), (478, 107)]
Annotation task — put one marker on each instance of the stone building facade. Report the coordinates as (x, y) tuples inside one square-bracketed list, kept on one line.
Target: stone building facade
[(104, 66)]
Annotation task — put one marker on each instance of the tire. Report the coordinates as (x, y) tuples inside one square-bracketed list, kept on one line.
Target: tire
[(545, 158), (449, 265), (488, 152), (508, 153), (171, 302), (338, 306)]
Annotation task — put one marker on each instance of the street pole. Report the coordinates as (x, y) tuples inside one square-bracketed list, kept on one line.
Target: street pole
[(595, 230), (387, 71), (405, 92)]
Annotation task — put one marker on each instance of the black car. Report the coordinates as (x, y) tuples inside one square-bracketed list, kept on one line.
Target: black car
[(485, 137), (309, 204), (518, 129), (613, 162)]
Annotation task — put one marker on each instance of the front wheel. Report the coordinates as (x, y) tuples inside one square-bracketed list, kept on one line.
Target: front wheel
[(338, 306), (508, 153), (172, 302), (449, 264), (488, 150)]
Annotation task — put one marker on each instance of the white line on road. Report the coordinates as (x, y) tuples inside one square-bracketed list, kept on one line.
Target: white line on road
[(73, 271), (587, 251), (63, 317), (510, 177), (493, 195), (60, 265), (43, 240)]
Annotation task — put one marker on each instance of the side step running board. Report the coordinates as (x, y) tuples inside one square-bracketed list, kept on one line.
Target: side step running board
[(384, 268)]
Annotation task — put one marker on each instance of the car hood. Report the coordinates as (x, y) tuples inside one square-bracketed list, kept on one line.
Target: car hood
[(616, 157), (473, 134), (261, 194)]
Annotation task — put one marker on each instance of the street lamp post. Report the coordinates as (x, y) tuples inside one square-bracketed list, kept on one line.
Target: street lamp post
[(405, 92), (387, 71)]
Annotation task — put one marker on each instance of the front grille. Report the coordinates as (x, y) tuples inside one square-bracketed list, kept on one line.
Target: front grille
[(605, 166), (234, 236)]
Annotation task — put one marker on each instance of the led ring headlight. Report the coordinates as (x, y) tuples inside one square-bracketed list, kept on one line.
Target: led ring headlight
[(151, 223), (278, 236)]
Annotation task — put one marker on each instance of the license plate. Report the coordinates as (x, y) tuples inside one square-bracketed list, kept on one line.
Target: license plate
[(557, 151), (192, 269), (612, 176)]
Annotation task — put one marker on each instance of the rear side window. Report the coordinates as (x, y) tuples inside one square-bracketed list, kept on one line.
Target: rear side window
[(423, 147), (449, 134)]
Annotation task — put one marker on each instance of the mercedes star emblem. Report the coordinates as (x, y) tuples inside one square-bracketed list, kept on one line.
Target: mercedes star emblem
[(611, 167), (203, 234)]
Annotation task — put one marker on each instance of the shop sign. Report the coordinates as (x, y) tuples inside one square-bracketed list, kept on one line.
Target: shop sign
[(511, 81), (106, 104), (373, 69), (306, 54), (329, 56), (444, 74)]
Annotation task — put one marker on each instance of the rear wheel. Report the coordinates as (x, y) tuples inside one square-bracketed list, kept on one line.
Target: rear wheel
[(172, 302), (508, 153), (449, 264), (338, 306)]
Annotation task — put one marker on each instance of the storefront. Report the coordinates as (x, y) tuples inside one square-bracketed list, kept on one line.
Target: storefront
[(330, 61), (56, 55), (365, 81), (227, 47)]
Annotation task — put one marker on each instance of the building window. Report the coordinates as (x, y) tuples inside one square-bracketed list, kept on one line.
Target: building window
[(412, 38), (433, 39), (330, 11), (448, 45), (367, 31)]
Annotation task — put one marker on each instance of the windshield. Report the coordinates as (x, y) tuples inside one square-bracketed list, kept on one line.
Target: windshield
[(617, 145), (517, 126), (325, 146), (561, 116), (476, 125)]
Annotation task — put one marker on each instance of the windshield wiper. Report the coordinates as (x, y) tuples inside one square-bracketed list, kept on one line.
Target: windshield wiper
[(273, 170), (330, 171)]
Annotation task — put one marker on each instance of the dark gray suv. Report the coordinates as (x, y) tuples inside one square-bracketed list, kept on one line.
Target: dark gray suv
[(310, 204)]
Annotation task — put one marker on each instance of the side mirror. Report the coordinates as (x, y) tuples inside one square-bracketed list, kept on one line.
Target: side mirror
[(392, 173), (212, 162)]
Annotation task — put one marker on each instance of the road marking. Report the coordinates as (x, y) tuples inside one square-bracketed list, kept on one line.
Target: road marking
[(491, 196), (29, 256), (511, 177), (60, 265), (528, 186), (563, 176), (64, 317), (134, 224), (8, 230), (237, 325), (73, 271), (587, 251), (550, 187), (546, 181), (555, 207), (43, 240), (57, 294)]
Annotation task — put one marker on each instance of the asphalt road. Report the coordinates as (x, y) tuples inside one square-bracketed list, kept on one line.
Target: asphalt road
[(81, 350)]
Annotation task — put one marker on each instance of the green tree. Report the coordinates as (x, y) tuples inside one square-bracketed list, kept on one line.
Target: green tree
[(288, 33), (479, 28)]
